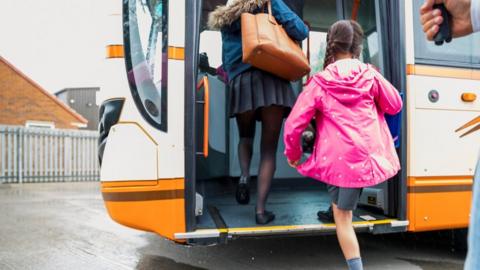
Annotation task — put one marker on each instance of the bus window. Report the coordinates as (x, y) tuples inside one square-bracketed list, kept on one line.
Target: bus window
[(320, 24), (145, 40), (211, 44), (367, 18), (318, 46), (319, 15), (464, 52)]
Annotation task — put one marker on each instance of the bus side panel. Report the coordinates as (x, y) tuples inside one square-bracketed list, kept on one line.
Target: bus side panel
[(440, 163), (130, 154), (156, 208), (435, 148), (136, 194), (438, 203)]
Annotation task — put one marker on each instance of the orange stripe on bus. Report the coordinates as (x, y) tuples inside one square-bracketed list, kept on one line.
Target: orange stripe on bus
[(142, 185), (143, 195), (430, 189), (445, 72), (129, 183), (176, 53), (460, 180), (115, 51)]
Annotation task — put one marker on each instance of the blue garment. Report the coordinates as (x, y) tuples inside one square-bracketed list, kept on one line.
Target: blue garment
[(473, 256), (232, 37), (394, 123)]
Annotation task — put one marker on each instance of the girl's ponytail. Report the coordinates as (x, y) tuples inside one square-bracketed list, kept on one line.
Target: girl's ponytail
[(329, 53)]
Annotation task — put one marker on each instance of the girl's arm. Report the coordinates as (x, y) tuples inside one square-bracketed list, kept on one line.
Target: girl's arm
[(386, 96), (308, 102), (294, 26)]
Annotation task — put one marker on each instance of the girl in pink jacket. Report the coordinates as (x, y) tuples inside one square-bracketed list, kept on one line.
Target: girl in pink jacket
[(353, 145)]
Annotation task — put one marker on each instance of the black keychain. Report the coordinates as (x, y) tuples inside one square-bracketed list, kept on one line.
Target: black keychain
[(444, 33)]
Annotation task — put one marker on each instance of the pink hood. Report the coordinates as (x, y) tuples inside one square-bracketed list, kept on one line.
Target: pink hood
[(353, 146)]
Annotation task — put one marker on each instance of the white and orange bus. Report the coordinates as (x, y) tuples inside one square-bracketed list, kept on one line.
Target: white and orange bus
[(168, 149)]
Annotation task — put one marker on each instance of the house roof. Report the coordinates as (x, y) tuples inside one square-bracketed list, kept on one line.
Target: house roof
[(96, 89), (80, 118)]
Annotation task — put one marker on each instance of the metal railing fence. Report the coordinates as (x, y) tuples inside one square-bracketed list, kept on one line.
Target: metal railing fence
[(30, 155)]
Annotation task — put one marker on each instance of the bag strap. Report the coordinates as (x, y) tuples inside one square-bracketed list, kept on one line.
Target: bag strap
[(270, 14), (308, 47)]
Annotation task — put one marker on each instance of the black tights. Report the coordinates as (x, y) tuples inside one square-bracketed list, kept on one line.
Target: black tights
[(272, 119)]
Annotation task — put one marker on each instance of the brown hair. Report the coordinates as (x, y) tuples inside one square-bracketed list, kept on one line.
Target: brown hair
[(345, 36)]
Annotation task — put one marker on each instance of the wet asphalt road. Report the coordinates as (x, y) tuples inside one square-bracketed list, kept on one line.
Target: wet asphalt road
[(65, 226)]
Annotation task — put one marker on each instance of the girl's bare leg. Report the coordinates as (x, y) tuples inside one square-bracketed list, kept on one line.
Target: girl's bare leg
[(345, 233)]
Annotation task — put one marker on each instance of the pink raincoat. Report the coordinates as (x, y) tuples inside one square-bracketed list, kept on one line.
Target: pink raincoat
[(353, 145)]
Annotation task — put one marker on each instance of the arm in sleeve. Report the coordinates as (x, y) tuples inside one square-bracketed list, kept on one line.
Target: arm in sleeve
[(292, 24), (308, 102), (386, 96)]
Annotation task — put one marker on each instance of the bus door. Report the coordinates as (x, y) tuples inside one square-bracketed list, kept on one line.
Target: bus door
[(215, 135)]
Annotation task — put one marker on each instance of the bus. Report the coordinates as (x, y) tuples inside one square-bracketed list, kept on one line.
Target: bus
[(168, 148)]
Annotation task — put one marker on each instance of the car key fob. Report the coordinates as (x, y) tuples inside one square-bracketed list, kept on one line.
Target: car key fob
[(444, 33)]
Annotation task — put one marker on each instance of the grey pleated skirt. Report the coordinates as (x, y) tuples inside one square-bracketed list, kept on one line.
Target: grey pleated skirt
[(255, 88)]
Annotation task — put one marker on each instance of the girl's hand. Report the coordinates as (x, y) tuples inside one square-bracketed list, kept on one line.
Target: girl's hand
[(294, 164)]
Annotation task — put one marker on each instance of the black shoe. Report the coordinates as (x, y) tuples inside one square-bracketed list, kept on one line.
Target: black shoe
[(326, 215), (243, 191), (264, 218)]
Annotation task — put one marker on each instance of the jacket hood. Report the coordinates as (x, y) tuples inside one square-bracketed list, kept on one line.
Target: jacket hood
[(347, 80), (225, 15)]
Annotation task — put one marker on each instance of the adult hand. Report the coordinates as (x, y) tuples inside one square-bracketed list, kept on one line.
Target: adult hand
[(461, 22), (294, 164)]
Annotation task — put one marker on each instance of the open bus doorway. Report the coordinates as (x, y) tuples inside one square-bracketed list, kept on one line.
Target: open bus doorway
[(294, 198)]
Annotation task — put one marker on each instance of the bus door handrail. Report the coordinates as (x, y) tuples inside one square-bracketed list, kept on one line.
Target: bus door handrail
[(206, 112), (355, 8)]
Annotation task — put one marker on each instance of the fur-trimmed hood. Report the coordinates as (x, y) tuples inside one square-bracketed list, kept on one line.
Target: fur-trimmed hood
[(225, 15)]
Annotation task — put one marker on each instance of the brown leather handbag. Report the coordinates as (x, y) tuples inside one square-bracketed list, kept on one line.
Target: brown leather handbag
[(267, 46)]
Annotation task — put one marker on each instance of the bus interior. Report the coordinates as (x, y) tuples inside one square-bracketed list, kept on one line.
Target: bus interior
[(293, 198)]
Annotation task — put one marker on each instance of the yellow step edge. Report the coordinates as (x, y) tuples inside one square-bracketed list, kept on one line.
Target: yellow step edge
[(284, 228), (299, 227)]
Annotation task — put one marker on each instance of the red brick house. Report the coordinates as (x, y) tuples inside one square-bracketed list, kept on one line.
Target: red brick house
[(24, 102)]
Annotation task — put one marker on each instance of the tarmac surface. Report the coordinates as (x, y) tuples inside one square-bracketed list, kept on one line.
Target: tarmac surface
[(65, 226)]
